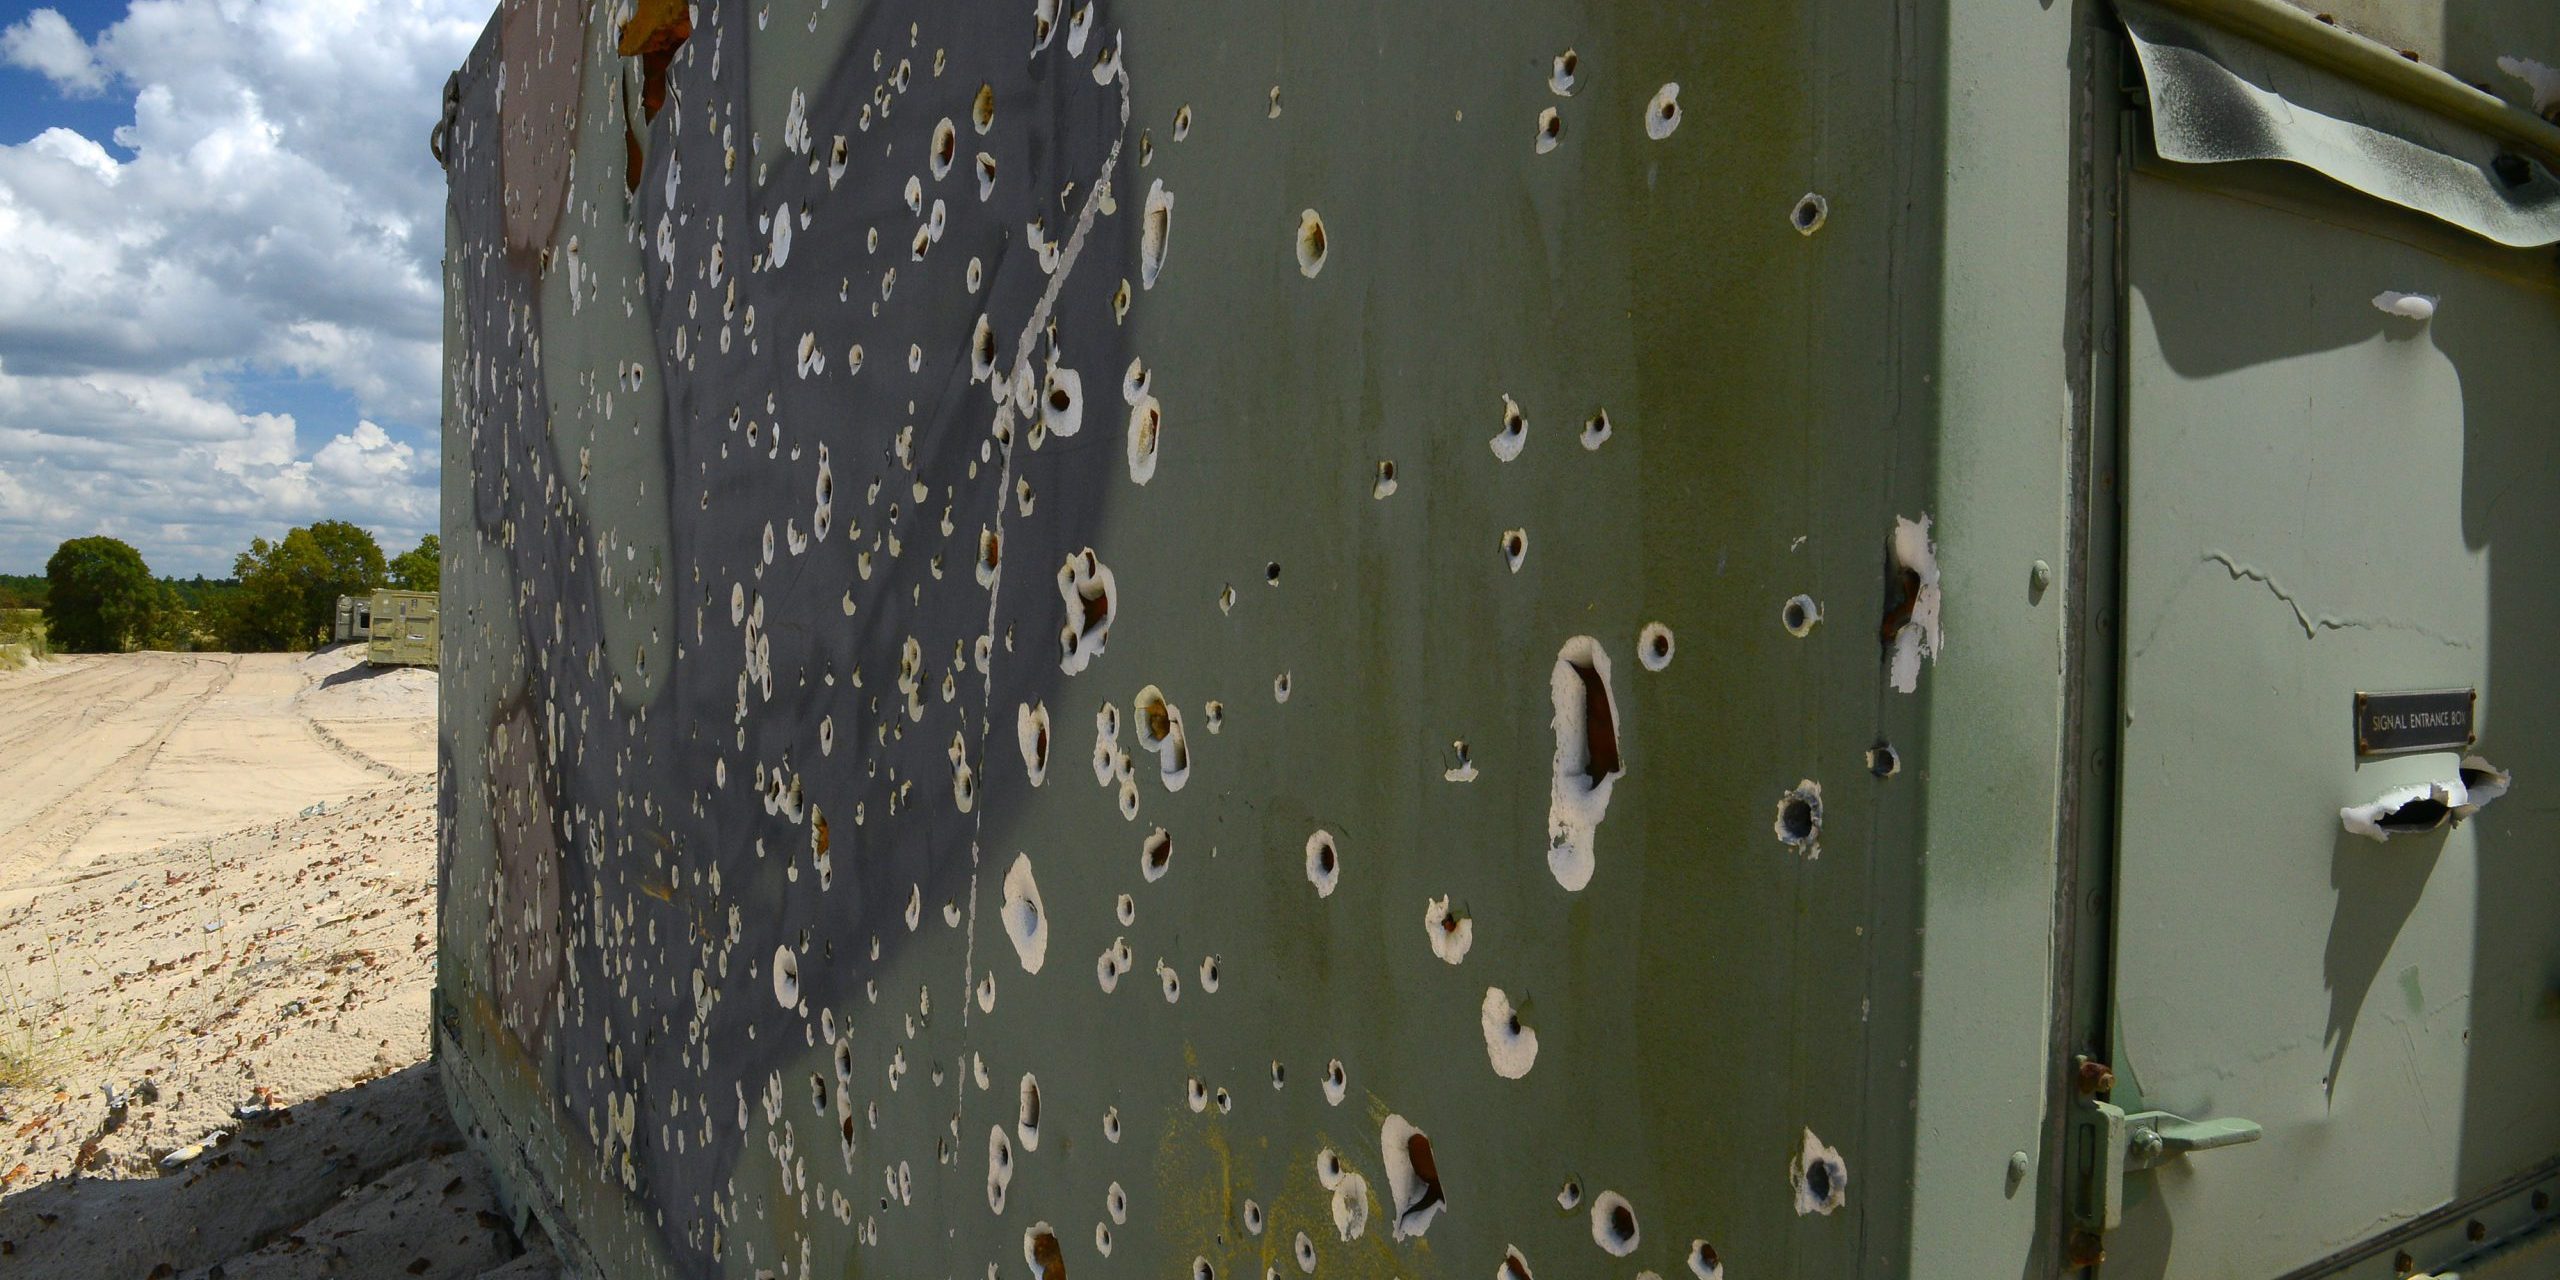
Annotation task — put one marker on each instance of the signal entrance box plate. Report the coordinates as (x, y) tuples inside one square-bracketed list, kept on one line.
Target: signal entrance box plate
[(2433, 720)]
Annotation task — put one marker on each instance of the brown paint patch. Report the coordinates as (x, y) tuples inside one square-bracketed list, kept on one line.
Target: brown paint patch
[(657, 29), (538, 122)]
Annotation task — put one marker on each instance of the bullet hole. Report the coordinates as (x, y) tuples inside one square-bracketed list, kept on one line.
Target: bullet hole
[(2410, 810), (1514, 1266), (1031, 734), (987, 992), (1703, 1262), (1910, 629), (852, 361), (1252, 1218), (999, 1167), (982, 350), (1280, 687), (2482, 782), (1209, 979), (1271, 573), (1323, 863), (1044, 23), (1413, 1177), (1514, 434), (1111, 1125), (945, 149), (1810, 213), (1550, 130), (1155, 227), (1146, 429), (1079, 25), (786, 977), (1515, 547), (1613, 1224), (1062, 402), (986, 169), (1128, 798), (1587, 763), (990, 556), (1311, 241), (818, 1093), (1821, 1179), (1596, 430), (1337, 1084), (1116, 1203), (1274, 112), (2408, 306), (1662, 115), (1171, 983), (1386, 481), (1092, 599), (1568, 67), (1146, 147), (1155, 855), (1024, 920), (1102, 1238), (1450, 933), (1213, 713), (1201, 1270), (1569, 1195), (977, 275), (1351, 1207), (1654, 646), (1225, 1102), (1196, 1095), (1040, 1249), (982, 109), (1304, 1250), (1462, 767), (1106, 64), (1510, 1043), (1801, 615), (1227, 599), (1883, 761), (1799, 821)]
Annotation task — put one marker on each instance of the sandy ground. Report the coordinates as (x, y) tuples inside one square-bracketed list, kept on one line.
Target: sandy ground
[(217, 896)]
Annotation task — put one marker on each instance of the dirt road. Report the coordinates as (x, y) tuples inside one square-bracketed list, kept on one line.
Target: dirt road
[(217, 898), (107, 755)]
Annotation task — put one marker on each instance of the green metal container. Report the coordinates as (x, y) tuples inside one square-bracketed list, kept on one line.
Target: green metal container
[(402, 629), (1631, 638)]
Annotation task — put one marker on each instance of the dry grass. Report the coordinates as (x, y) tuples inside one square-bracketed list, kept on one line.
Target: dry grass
[(22, 639)]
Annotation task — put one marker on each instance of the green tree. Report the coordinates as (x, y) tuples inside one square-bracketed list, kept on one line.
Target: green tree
[(289, 589), (100, 596), (420, 569)]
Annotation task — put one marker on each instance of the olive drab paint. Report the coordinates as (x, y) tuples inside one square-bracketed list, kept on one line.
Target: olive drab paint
[(1430, 639)]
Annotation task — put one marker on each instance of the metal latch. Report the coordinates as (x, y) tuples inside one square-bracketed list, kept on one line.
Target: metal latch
[(2113, 1142)]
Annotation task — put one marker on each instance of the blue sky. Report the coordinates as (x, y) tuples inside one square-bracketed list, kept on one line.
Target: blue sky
[(219, 308)]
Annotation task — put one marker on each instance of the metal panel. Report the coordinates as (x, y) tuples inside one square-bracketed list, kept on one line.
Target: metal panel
[(736, 679), (2325, 496), (403, 629)]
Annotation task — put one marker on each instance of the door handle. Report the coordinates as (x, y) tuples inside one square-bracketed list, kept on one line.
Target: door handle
[(2122, 1142), (2157, 1136)]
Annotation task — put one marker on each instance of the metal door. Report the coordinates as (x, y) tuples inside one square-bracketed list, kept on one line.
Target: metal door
[(2325, 496)]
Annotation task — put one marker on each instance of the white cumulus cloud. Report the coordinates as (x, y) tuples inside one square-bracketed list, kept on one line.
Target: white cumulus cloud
[(43, 42), (269, 222)]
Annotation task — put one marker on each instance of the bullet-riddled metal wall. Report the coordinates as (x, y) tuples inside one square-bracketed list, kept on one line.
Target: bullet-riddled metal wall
[(1144, 637)]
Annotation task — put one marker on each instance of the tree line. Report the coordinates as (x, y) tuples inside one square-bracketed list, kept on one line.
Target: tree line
[(98, 595)]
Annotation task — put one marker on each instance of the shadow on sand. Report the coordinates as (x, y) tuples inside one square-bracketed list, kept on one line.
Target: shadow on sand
[(373, 1180)]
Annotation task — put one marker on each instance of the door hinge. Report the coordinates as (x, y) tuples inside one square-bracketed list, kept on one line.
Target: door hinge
[(2108, 1142)]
